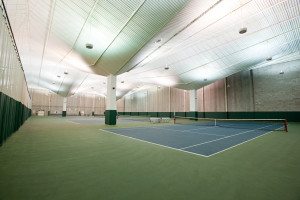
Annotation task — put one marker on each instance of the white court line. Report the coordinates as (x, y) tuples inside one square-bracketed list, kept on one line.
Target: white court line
[(223, 138), (73, 122), (153, 143), (202, 128), (186, 131), (242, 143)]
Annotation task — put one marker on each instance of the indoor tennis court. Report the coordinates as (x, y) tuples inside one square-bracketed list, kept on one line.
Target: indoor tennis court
[(149, 99), (202, 137)]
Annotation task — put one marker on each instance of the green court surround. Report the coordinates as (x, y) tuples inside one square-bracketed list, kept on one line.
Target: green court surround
[(51, 158)]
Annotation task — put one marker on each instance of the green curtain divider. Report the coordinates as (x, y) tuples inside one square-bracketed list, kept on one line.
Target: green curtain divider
[(13, 114), (2, 99)]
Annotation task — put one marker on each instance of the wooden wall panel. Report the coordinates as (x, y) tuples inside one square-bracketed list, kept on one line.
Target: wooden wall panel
[(214, 97)]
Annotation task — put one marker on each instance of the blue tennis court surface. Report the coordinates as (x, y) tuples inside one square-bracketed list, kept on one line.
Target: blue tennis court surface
[(200, 140)]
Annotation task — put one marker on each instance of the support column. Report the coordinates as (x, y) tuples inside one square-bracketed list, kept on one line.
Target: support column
[(193, 103), (64, 112), (111, 101)]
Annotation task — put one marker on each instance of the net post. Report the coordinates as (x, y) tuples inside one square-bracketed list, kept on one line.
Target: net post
[(215, 122), (285, 125)]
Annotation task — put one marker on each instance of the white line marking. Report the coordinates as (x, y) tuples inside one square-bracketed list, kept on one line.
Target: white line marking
[(153, 143), (223, 138), (242, 142), (186, 131), (202, 128), (73, 122)]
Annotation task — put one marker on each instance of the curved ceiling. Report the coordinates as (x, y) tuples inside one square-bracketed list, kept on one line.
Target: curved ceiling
[(198, 41)]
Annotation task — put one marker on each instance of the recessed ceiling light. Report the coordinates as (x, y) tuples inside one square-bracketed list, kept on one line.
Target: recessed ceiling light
[(243, 30), (269, 58), (89, 46), (281, 72)]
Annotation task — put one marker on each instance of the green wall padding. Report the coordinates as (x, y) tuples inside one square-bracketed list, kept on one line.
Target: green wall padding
[(241, 115), (218, 115), (180, 114), (192, 114), (143, 113), (110, 117), (12, 114)]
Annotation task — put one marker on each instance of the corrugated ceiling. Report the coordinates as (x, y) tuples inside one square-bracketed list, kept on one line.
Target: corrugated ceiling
[(197, 40)]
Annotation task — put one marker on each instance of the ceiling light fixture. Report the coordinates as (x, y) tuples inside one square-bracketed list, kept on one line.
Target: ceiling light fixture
[(66, 73), (122, 81), (269, 58), (167, 67), (158, 41), (242, 30), (58, 76), (89, 46)]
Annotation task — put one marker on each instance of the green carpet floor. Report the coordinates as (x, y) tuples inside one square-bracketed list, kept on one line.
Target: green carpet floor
[(51, 158)]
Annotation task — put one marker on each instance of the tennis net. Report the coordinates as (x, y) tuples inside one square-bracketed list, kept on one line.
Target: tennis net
[(260, 124)]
